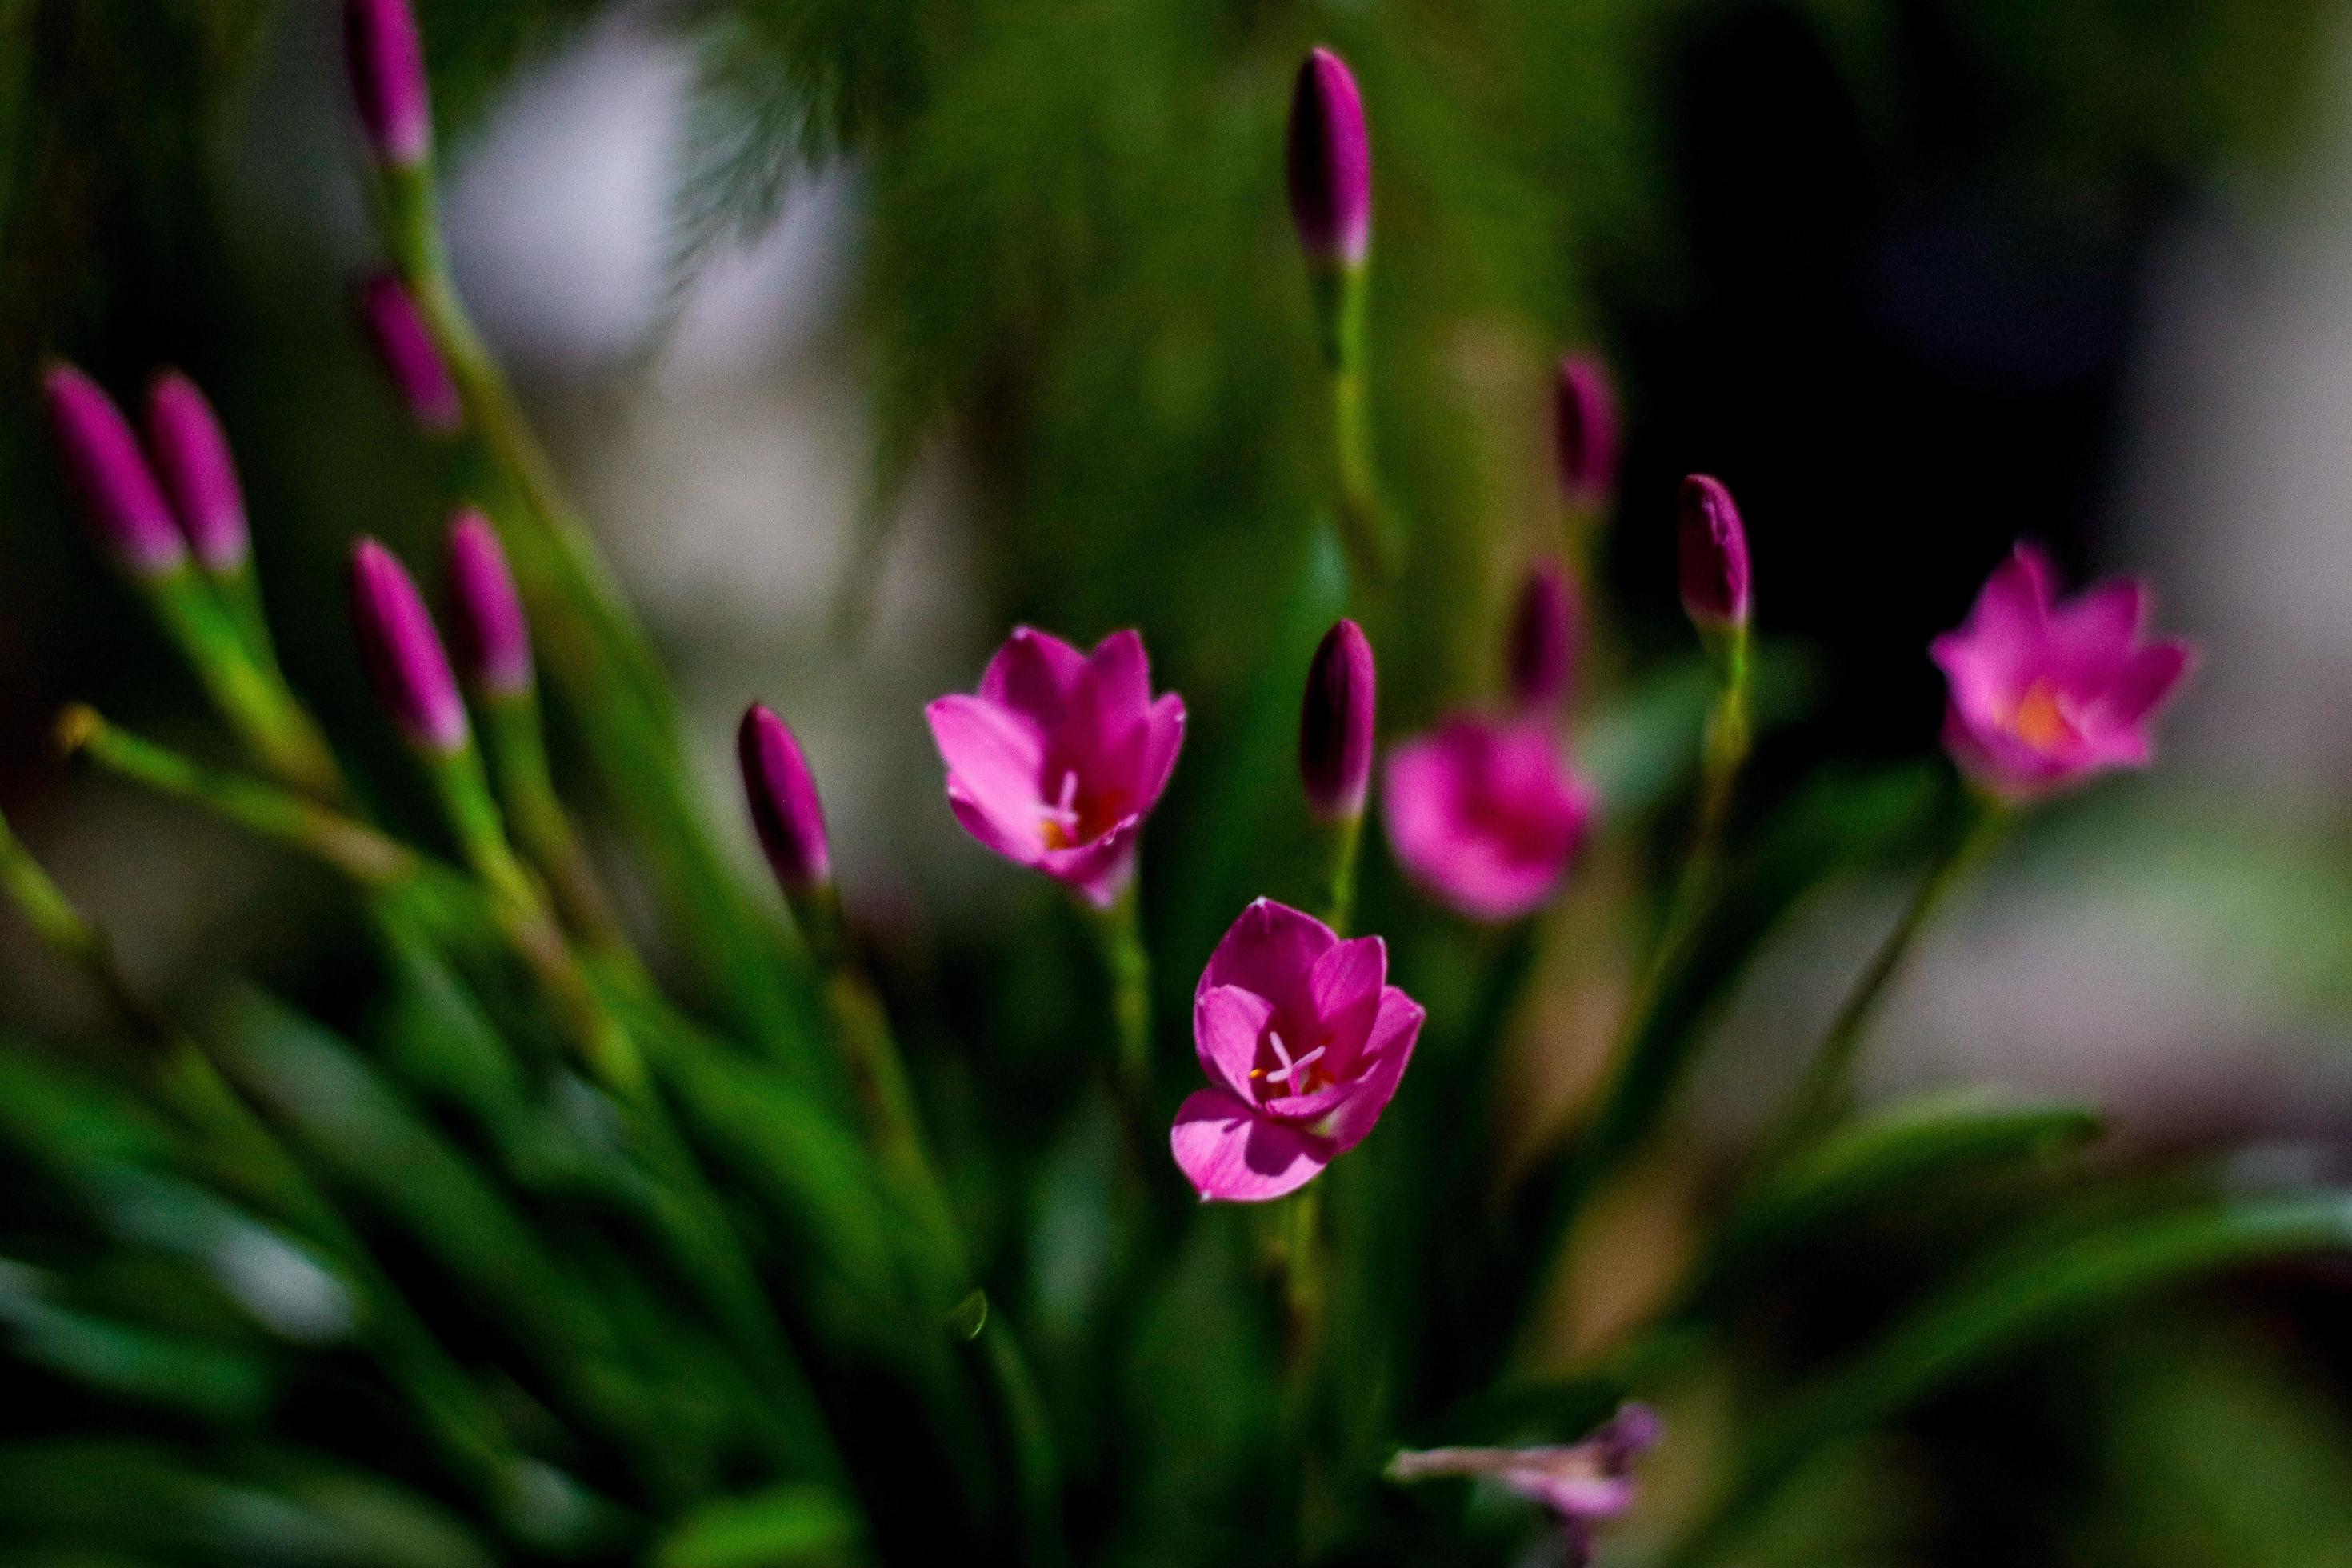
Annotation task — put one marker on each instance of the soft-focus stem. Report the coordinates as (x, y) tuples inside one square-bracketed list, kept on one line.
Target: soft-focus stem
[(249, 692), (1339, 308), (1127, 967), (359, 851), (1302, 1280), (518, 747), (1723, 752), (240, 596), (1345, 838), (1825, 1093)]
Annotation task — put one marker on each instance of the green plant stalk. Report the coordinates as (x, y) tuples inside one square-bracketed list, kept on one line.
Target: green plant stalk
[(1344, 837), (247, 691), (1825, 1094), (1339, 308), (1127, 965), (518, 748), (240, 596), (1028, 1433), (599, 653), (247, 1154), (1724, 748)]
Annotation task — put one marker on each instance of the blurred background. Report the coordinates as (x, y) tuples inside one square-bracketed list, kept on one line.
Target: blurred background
[(861, 330)]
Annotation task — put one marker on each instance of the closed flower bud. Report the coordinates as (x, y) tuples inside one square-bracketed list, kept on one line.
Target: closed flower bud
[(1335, 732), (1330, 164), (1711, 554), (785, 810), (1585, 431), (491, 637), (1543, 639), (125, 503), (404, 653), (192, 454), (405, 345), (387, 66)]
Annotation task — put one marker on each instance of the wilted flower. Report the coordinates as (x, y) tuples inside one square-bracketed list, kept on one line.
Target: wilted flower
[(1711, 552), (405, 345), (387, 68), (1584, 430), (117, 487), (1060, 757), (192, 454), (2045, 695), (1486, 814), (1303, 1040), (785, 810), (487, 625), (1335, 727), (1330, 164), (1583, 1484), (1543, 639), (404, 653)]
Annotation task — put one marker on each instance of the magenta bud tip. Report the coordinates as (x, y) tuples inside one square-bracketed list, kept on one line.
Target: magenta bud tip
[(1543, 639), (119, 491), (386, 59), (1335, 729), (404, 653), (1330, 163), (1585, 431), (490, 636), (785, 810), (405, 345), (192, 454), (1711, 552)]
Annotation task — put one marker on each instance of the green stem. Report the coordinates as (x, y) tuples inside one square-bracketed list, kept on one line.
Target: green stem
[(1723, 753), (1345, 837), (1339, 306), (1127, 966), (248, 692), (518, 748), (1825, 1093)]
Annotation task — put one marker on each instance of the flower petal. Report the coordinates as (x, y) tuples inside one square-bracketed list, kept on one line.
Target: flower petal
[(2147, 680), (1396, 1030), (1098, 869), (1227, 1024), (1163, 738), (1231, 1154), (994, 755), (1033, 674), (1270, 949)]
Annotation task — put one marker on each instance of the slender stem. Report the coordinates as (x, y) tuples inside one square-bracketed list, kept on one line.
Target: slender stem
[(1302, 1279), (249, 692), (518, 748), (1345, 837), (1723, 753), (1339, 305), (1127, 966), (1824, 1095)]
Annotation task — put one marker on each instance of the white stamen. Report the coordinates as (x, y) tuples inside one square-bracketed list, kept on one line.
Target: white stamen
[(1289, 1071)]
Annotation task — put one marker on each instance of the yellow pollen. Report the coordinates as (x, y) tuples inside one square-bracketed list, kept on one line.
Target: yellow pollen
[(2040, 718)]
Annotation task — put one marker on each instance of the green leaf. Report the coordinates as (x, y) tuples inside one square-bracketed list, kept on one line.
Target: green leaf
[(2022, 1297), (781, 1528), (156, 1368)]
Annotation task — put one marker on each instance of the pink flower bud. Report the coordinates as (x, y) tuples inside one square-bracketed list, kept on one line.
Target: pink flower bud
[(1543, 639), (1712, 555), (387, 65), (117, 488), (1330, 163), (192, 453), (1585, 431), (404, 653), (785, 810), (486, 620), (405, 345), (1335, 732)]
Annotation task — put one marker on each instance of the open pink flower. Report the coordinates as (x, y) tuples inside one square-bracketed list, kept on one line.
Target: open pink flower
[(1060, 757), (1486, 814), (1303, 1039), (1584, 1484), (2047, 695)]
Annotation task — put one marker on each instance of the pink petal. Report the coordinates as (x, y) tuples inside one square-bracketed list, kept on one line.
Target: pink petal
[(1033, 674), (1006, 837), (1231, 1154), (1270, 949), (993, 754), (1100, 869), (2104, 620), (1163, 738), (1396, 1030), (2148, 680), (1119, 677), (1227, 1024)]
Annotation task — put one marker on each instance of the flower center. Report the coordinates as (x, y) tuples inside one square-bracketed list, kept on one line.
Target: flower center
[(1297, 1075), (2041, 719), (1060, 825)]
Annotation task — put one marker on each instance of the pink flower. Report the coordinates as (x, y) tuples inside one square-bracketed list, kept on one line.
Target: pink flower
[(785, 810), (1303, 1040), (1543, 640), (1335, 724), (1711, 555), (1486, 814), (403, 653), (1583, 1484), (1059, 760), (387, 68), (1330, 163), (403, 343), (117, 487), (193, 458), (2045, 695), (491, 635), (1584, 430)]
